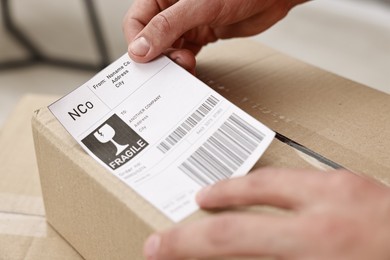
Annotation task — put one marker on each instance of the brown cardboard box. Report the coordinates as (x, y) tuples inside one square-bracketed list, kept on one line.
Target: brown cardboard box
[(24, 232), (339, 119)]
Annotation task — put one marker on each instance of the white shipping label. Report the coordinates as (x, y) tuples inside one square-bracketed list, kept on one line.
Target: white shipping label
[(161, 131)]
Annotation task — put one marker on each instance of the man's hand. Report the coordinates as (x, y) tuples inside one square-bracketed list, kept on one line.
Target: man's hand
[(182, 28), (333, 215)]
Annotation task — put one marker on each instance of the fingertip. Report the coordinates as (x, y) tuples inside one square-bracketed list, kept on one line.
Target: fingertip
[(152, 246), (201, 196), (183, 58), (139, 49), (187, 64)]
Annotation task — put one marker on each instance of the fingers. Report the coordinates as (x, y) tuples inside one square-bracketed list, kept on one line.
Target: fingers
[(138, 16), (163, 28), (257, 23), (153, 26), (225, 235), (337, 229), (290, 189), (183, 57)]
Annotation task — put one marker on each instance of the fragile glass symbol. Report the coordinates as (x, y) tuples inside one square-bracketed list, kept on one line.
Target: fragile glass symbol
[(106, 134)]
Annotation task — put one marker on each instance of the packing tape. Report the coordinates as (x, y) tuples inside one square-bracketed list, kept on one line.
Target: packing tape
[(23, 225), (313, 161), (29, 205)]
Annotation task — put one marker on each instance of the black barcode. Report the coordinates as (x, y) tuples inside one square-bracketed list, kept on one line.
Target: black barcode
[(223, 153), (188, 124)]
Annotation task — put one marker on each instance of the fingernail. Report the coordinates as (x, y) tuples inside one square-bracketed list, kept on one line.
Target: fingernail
[(140, 47), (202, 194), (152, 245), (178, 60)]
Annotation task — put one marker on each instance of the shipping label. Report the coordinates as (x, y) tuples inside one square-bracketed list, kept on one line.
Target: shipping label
[(161, 131)]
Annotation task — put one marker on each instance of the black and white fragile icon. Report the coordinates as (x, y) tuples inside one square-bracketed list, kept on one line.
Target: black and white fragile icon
[(106, 134), (114, 142)]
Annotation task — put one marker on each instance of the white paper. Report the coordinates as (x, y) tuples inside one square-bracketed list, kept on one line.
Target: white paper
[(161, 131)]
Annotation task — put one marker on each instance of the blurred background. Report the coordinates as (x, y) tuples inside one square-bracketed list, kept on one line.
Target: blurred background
[(348, 37)]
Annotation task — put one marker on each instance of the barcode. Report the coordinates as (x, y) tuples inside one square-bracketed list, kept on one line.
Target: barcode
[(188, 124), (223, 153)]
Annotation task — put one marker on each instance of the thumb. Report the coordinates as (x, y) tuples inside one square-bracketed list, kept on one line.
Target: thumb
[(167, 27)]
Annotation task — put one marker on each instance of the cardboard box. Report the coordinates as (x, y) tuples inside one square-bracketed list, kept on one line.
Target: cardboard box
[(337, 118), (24, 232)]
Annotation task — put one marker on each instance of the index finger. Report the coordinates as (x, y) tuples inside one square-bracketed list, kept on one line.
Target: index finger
[(158, 30), (139, 15), (285, 188), (227, 234)]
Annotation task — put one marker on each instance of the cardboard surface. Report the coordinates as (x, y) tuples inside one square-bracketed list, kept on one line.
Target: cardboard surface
[(24, 232), (344, 121), (340, 119)]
